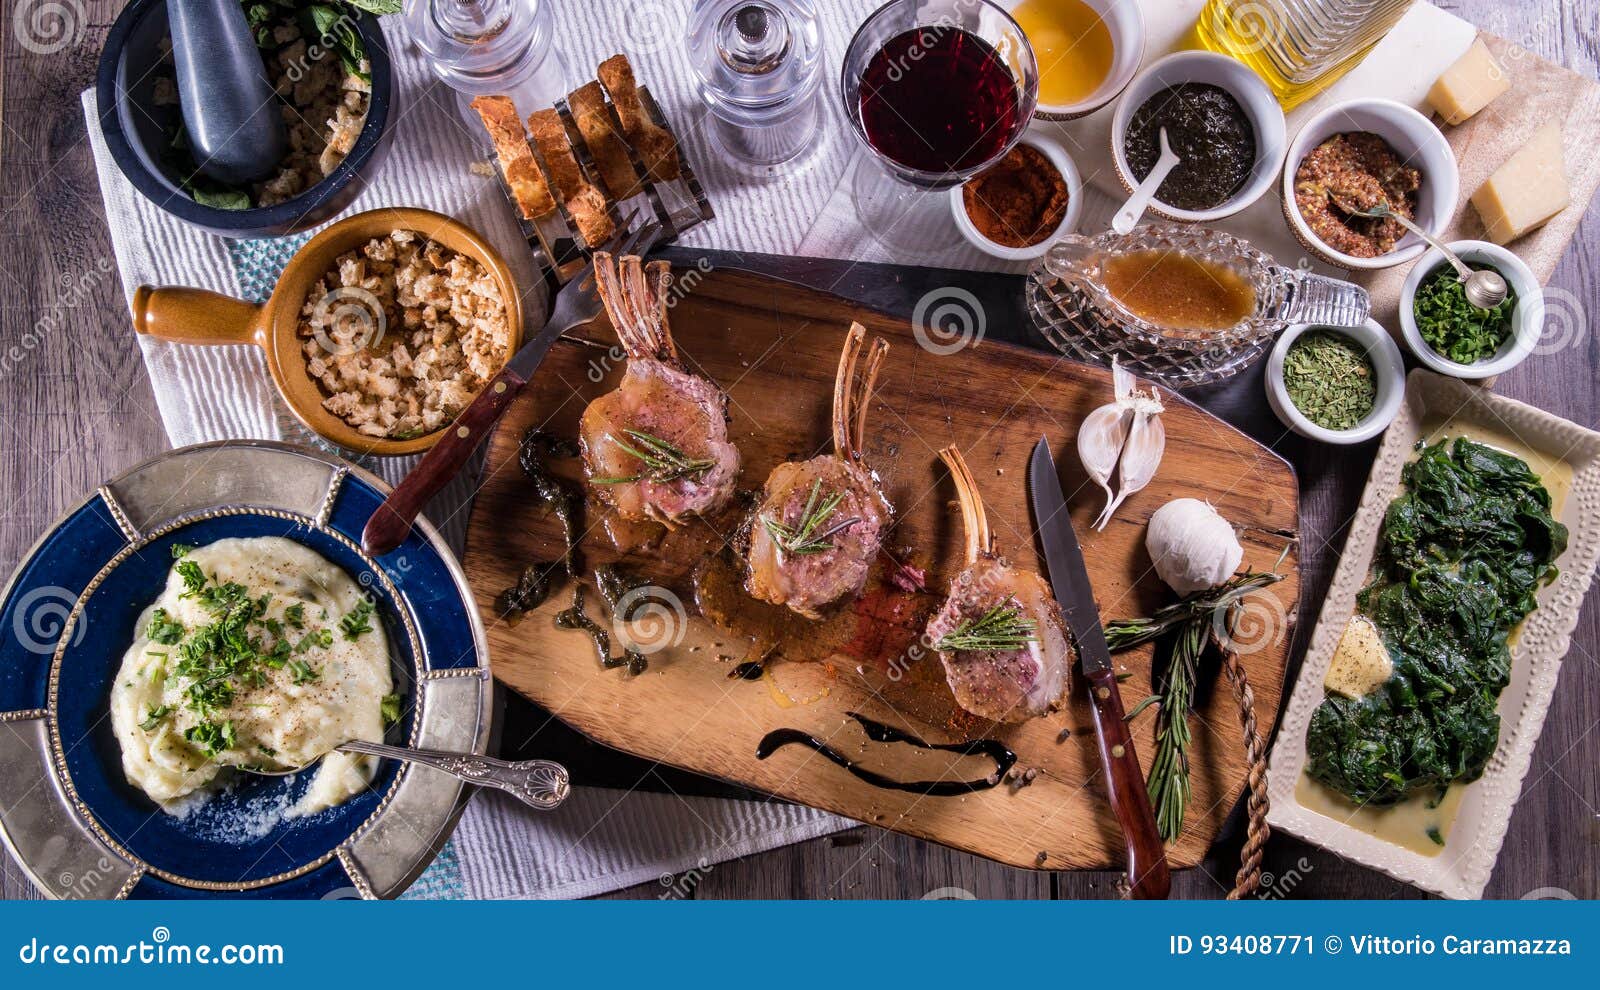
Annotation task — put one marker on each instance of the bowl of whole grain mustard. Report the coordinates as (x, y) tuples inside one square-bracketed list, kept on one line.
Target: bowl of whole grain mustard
[(1338, 385)]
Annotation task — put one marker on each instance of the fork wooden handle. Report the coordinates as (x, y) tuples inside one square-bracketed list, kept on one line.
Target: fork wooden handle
[(392, 520)]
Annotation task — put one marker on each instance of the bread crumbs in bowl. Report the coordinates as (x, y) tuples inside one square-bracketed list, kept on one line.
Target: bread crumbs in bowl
[(401, 333), (381, 330)]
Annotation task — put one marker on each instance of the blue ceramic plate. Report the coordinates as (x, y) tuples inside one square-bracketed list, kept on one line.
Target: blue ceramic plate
[(68, 813)]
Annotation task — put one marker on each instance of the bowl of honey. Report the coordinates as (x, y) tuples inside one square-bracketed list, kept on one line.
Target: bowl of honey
[(1088, 51)]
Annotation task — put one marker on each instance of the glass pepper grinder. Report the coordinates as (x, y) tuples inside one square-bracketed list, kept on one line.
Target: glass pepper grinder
[(759, 63), (490, 48)]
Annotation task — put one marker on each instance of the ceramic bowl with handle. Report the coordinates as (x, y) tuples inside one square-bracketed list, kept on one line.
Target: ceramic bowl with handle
[(196, 316)]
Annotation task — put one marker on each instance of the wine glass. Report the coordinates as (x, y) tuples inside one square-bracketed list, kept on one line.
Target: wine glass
[(937, 90)]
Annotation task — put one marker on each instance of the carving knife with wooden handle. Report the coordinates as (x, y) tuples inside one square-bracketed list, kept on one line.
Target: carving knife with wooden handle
[(1148, 877)]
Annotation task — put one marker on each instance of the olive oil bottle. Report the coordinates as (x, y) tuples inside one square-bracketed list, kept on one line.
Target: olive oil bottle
[(1300, 47)]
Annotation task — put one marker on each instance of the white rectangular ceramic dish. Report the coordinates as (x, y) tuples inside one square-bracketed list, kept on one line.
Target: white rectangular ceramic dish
[(1462, 866)]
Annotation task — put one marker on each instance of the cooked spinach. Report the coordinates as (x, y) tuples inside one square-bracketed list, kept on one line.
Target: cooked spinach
[(1459, 558)]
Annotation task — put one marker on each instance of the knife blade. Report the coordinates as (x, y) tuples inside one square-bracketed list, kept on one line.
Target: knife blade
[(1148, 876)]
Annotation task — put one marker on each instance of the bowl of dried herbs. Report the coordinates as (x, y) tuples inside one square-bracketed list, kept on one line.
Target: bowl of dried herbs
[(1337, 385)]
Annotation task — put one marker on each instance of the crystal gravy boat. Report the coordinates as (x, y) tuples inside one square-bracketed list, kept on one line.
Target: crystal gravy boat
[(1283, 296)]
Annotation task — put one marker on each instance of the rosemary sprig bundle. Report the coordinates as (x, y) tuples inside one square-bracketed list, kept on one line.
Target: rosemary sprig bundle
[(1191, 622), (1001, 628), (1168, 779), (804, 537), (662, 460)]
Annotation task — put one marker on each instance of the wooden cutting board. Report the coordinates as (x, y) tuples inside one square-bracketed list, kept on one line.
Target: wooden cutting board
[(774, 347)]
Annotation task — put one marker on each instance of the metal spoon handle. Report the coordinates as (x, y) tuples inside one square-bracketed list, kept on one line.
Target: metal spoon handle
[(1449, 255), (539, 784)]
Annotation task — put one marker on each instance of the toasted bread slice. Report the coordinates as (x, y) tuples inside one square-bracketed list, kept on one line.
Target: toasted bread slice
[(654, 144), (521, 172), (604, 141), (585, 203)]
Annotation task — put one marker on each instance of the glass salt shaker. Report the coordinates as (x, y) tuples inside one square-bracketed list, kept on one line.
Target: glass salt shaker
[(490, 48), (759, 63)]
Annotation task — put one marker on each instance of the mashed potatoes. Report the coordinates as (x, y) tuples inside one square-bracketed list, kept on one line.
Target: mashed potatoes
[(259, 654)]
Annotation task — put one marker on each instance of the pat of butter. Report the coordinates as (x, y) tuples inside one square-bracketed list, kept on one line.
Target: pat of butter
[(1360, 662), (1469, 85), (1527, 190)]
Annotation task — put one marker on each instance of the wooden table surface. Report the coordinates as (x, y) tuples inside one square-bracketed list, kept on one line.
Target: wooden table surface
[(77, 408)]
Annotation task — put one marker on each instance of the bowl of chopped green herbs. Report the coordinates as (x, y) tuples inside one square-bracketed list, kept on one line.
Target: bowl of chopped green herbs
[(1451, 335), (1337, 385)]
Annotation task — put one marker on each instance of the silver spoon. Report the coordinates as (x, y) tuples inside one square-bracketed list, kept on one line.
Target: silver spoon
[(539, 784), (1485, 289), (1128, 217)]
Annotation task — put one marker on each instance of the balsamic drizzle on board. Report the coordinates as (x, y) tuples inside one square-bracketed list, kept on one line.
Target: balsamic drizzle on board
[(1004, 759)]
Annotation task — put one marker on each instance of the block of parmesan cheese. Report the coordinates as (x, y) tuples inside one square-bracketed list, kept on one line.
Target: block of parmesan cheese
[(1527, 190), (1469, 85)]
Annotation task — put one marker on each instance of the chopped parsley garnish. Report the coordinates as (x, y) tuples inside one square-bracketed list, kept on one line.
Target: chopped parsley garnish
[(391, 708), (164, 629), (295, 615), (212, 738), (301, 672), (180, 550), (193, 578), (155, 716), (355, 621), (316, 637)]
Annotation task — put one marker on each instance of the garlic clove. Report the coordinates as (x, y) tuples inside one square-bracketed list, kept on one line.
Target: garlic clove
[(1100, 440), (1122, 441)]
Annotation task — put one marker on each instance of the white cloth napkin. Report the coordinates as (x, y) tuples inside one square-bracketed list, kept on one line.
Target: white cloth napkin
[(607, 839)]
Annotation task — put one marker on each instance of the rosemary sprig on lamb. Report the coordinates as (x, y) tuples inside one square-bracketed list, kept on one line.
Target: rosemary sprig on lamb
[(808, 536), (662, 461), (1003, 627)]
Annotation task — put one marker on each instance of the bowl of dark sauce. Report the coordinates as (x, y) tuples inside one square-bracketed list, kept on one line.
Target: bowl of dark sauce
[(1221, 120), (140, 120)]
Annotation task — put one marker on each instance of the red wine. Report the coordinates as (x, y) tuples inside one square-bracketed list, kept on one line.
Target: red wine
[(938, 99)]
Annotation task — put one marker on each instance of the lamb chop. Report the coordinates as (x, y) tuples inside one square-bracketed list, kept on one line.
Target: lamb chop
[(821, 521), (1005, 651), (657, 447)]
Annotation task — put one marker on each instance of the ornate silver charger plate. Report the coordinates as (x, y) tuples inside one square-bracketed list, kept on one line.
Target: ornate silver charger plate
[(67, 812)]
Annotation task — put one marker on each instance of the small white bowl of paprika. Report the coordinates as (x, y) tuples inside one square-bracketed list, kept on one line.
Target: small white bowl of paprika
[(1018, 207)]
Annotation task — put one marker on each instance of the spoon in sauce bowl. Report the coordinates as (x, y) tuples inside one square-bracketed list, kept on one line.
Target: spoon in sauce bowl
[(539, 784), (1128, 217), (1485, 288)]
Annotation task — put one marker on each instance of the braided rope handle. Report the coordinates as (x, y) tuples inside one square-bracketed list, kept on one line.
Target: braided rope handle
[(1257, 831)]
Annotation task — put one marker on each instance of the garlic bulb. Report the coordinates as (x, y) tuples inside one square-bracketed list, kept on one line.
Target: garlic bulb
[(1193, 547), (1122, 440)]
